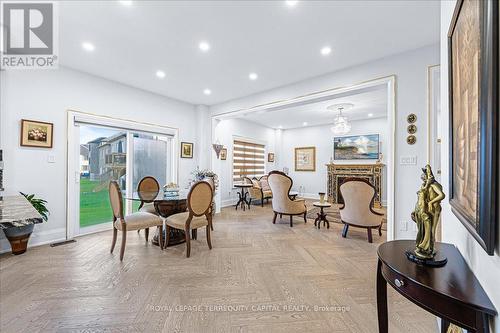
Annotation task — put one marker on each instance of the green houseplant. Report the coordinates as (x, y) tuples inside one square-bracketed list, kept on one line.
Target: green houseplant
[(19, 236)]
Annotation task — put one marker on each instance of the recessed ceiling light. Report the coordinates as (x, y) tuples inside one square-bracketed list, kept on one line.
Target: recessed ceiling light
[(326, 50), (126, 2), (280, 127), (304, 123), (253, 76), (160, 74), (87, 46), (207, 92), (204, 46), (370, 114), (291, 3)]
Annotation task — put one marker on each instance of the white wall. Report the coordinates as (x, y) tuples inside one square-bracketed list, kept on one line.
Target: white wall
[(410, 69), (46, 95), (322, 138), (485, 267), (225, 132)]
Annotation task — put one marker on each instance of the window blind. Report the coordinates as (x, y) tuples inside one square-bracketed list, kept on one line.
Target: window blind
[(248, 160)]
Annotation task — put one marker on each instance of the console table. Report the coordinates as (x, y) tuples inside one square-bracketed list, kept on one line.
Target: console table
[(338, 172), (451, 292)]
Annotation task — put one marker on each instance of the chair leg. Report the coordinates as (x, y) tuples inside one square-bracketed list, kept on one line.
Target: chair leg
[(262, 202), (138, 231), (275, 216), (194, 234), (209, 240), (305, 217), (160, 236), (370, 239), (167, 233), (124, 240), (188, 243), (146, 233), (281, 216), (291, 220), (345, 230), (380, 230), (115, 231)]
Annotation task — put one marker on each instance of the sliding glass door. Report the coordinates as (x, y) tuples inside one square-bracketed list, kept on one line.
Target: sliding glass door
[(104, 152)]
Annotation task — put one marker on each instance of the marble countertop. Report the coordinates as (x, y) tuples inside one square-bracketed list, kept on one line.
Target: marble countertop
[(16, 211)]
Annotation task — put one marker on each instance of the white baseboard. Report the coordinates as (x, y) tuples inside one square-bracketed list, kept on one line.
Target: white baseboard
[(37, 238)]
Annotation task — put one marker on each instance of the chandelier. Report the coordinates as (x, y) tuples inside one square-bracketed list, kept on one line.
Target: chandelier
[(341, 124)]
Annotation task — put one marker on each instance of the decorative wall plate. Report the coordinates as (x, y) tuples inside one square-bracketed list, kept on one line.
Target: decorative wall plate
[(411, 118), (411, 139), (412, 129)]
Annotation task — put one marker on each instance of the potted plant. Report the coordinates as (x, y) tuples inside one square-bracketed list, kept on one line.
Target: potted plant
[(19, 236)]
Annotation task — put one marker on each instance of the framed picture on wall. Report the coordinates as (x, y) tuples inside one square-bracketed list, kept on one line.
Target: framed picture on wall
[(356, 147), (186, 150), (473, 101), (36, 134), (270, 157), (305, 159), (223, 154)]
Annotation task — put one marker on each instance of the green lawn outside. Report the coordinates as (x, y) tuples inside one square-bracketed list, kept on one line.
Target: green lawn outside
[(94, 206)]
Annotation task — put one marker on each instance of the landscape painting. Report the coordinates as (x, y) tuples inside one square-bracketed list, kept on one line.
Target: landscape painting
[(356, 147)]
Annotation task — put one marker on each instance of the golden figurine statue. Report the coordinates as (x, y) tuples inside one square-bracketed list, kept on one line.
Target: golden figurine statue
[(426, 215)]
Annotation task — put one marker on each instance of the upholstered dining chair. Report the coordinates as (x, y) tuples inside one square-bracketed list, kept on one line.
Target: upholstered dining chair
[(280, 185), (211, 182), (135, 221), (359, 195), (198, 215), (147, 190)]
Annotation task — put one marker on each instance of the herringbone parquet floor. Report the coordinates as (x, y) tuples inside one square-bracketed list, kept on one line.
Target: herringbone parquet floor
[(259, 277)]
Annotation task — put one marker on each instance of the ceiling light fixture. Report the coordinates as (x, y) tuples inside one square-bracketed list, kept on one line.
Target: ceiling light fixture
[(207, 92), (126, 2), (87, 46), (204, 46), (326, 50), (280, 127), (253, 76), (160, 74), (304, 123), (291, 3), (370, 115), (341, 124)]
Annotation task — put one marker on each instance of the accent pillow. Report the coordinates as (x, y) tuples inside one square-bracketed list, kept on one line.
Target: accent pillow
[(255, 183), (264, 184)]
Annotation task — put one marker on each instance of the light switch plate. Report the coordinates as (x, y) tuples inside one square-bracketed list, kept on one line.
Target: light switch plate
[(51, 158), (408, 160)]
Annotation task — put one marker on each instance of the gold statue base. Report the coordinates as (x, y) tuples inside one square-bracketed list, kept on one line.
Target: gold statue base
[(437, 261)]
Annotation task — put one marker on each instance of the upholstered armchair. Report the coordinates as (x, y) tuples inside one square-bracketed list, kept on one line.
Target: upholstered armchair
[(260, 189), (358, 195), (135, 221), (280, 185)]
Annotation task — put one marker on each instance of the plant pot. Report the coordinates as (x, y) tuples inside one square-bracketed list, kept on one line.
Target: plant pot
[(18, 237)]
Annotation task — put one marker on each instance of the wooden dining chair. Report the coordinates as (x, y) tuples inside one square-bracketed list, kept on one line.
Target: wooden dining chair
[(147, 190), (135, 221), (198, 215)]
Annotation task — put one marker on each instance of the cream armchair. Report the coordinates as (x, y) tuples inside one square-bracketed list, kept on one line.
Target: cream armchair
[(358, 195), (280, 185), (260, 189)]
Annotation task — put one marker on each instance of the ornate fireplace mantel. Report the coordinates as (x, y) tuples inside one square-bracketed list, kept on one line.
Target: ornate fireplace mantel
[(338, 172)]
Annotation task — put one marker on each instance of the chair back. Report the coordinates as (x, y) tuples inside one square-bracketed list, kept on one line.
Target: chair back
[(358, 195), (200, 198), (148, 189), (211, 182), (116, 200), (280, 185)]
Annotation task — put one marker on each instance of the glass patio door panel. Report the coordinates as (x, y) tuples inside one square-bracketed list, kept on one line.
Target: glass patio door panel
[(151, 157), (103, 158)]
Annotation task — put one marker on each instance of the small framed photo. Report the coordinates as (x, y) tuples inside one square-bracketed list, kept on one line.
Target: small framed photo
[(270, 157), (223, 154), (186, 149), (36, 134)]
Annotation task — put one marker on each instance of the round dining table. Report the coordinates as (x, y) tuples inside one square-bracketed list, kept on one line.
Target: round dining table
[(165, 206)]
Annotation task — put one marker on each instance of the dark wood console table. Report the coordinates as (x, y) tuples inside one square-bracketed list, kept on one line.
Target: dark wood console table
[(451, 292)]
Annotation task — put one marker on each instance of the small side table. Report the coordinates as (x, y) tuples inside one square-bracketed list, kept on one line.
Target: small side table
[(242, 196), (293, 195), (321, 215)]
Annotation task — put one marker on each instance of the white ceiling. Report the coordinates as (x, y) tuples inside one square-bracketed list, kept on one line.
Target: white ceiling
[(281, 44), (367, 101)]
